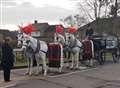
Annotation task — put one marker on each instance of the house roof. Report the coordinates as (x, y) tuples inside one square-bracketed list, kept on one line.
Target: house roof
[(45, 27), (104, 25), (41, 26)]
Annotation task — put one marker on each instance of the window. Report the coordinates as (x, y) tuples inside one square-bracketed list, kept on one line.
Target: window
[(35, 34)]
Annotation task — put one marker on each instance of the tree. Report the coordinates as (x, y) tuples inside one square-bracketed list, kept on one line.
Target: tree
[(74, 20), (80, 20), (95, 9), (69, 20), (115, 8)]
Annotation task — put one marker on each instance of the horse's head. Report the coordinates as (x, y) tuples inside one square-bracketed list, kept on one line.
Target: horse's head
[(23, 40), (69, 38), (59, 38), (20, 39)]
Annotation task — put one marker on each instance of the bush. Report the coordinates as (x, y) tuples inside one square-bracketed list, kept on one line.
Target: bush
[(19, 59)]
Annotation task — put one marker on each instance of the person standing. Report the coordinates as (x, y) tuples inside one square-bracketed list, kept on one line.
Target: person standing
[(7, 59), (89, 31)]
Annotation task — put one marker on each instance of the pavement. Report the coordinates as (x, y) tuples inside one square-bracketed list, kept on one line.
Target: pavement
[(16, 76), (106, 76)]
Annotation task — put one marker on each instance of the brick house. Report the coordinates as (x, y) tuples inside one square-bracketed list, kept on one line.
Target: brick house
[(44, 31)]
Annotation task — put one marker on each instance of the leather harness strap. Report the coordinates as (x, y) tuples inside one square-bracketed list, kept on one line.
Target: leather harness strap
[(38, 47)]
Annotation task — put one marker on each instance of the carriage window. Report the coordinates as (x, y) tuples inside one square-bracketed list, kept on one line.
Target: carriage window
[(111, 44), (35, 34)]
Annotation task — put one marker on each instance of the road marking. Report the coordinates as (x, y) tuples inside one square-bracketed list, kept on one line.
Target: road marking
[(7, 86), (71, 73)]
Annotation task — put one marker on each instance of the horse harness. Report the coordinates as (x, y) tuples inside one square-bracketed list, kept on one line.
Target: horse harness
[(38, 48), (75, 45)]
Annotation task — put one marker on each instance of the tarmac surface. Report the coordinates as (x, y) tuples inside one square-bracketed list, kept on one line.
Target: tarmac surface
[(105, 76)]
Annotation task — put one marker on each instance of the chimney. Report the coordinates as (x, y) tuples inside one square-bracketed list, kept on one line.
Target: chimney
[(35, 21)]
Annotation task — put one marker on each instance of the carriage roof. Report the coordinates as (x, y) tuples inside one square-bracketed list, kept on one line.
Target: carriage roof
[(105, 37)]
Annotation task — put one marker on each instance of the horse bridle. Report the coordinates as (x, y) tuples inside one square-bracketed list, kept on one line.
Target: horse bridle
[(22, 39)]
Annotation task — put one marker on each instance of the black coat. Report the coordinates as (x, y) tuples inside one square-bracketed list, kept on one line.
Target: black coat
[(89, 32), (7, 56)]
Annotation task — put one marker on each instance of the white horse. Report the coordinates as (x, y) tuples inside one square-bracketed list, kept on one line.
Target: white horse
[(59, 38), (75, 47), (39, 48)]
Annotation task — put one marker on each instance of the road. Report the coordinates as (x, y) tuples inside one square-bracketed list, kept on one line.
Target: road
[(106, 76)]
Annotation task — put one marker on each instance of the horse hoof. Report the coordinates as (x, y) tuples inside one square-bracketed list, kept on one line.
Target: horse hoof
[(60, 71), (67, 67), (76, 69), (82, 67), (71, 68), (36, 74), (45, 74), (30, 74), (27, 73)]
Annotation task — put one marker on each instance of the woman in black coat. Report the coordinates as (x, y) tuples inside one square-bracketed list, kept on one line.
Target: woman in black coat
[(7, 59)]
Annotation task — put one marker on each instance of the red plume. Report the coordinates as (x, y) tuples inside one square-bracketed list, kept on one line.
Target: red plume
[(59, 29), (71, 29), (27, 29)]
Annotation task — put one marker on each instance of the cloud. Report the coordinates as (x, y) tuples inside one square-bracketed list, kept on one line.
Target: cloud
[(7, 3), (26, 12), (26, 5)]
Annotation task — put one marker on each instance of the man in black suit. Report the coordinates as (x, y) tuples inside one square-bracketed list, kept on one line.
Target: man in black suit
[(7, 59)]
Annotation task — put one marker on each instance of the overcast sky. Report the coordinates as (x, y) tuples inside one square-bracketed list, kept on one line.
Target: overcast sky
[(25, 11), (22, 11)]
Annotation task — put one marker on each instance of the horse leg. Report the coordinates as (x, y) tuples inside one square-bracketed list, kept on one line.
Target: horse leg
[(77, 59), (44, 63), (31, 66), (28, 64), (68, 58), (92, 62), (38, 63), (61, 65), (72, 65)]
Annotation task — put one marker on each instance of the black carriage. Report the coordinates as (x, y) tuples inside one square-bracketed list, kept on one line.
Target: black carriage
[(112, 46), (104, 45)]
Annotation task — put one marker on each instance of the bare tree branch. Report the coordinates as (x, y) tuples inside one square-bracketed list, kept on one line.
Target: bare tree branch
[(86, 12)]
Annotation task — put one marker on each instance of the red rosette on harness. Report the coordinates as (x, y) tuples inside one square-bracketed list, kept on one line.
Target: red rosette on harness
[(59, 29), (71, 30), (28, 29)]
